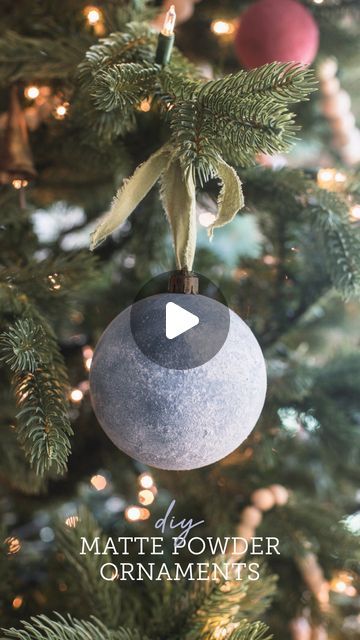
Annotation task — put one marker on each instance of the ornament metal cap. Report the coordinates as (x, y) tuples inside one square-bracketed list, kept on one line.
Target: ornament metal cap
[(183, 281), (16, 161)]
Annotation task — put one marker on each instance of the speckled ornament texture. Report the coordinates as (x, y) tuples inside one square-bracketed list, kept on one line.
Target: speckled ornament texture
[(177, 419)]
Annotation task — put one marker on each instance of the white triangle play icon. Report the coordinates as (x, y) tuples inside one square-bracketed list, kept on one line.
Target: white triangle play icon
[(178, 320)]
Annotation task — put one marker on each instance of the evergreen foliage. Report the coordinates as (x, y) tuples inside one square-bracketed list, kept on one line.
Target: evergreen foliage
[(68, 628), (40, 383), (298, 289)]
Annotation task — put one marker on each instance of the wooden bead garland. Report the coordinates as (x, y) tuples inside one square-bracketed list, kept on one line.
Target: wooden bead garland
[(262, 499), (336, 107)]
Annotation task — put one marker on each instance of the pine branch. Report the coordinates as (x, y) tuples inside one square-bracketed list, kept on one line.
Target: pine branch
[(118, 72), (123, 86), (104, 597), (295, 198), (248, 631), (24, 57), (68, 628), (280, 83), (137, 44), (331, 216), (237, 116), (51, 280), (14, 468), (229, 604), (39, 380)]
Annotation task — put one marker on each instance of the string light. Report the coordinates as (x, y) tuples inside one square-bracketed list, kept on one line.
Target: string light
[(32, 92), (84, 386), (76, 395), (239, 274), (146, 497), (99, 482), (14, 545), (95, 19), (23, 389), (88, 352), (318, 1), (330, 179), (93, 15), (133, 513), (61, 110), (206, 218), (222, 27), (145, 105), (146, 480), (19, 184), (17, 602), (169, 22), (355, 212), (72, 521), (54, 281), (221, 632), (88, 356), (342, 583), (270, 260)]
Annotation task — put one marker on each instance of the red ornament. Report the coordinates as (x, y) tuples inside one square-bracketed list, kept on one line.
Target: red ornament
[(276, 31)]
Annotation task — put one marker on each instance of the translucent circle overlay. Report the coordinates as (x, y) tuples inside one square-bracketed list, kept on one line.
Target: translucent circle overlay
[(192, 348)]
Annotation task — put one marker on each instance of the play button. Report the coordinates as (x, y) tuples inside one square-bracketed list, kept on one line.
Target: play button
[(178, 320), (179, 330)]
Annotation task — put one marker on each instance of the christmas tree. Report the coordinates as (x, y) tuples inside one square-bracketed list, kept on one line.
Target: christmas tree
[(244, 130)]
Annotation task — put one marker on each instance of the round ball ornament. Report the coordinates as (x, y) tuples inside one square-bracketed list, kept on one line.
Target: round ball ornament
[(177, 419), (276, 31)]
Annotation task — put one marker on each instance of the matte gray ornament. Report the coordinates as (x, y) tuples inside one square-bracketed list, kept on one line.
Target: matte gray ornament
[(177, 419)]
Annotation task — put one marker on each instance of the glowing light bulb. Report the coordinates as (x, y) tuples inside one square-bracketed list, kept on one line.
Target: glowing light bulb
[(14, 545), (54, 282), (325, 176), (88, 356), (19, 184), (99, 482), (133, 513), (88, 352), (270, 260), (318, 1), (146, 481), (146, 497), (339, 586), (17, 602), (169, 22), (32, 92), (340, 177), (93, 15), (355, 212), (61, 111), (76, 395), (206, 218), (330, 179), (72, 521), (222, 27), (145, 105)]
